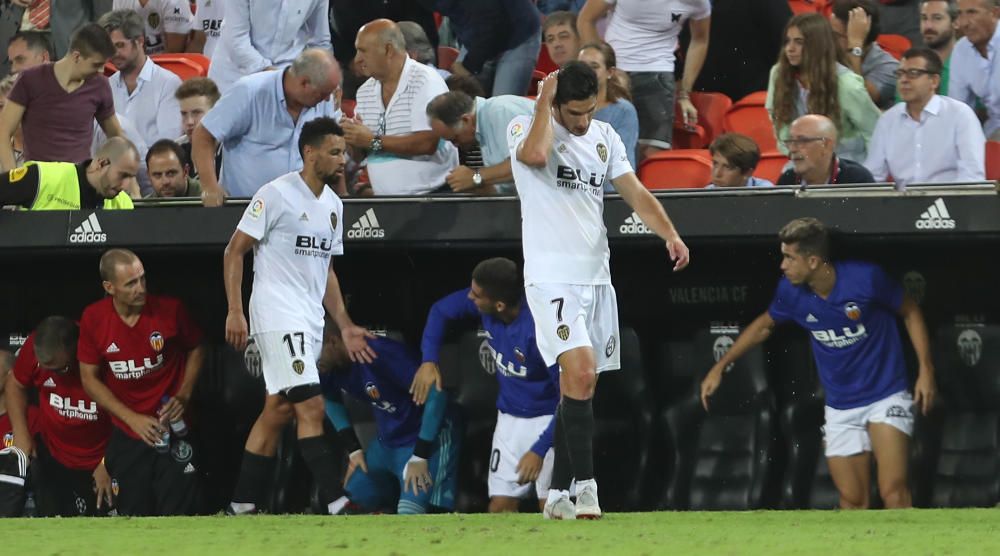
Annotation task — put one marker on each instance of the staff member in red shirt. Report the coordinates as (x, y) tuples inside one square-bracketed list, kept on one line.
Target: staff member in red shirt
[(68, 469), (140, 356)]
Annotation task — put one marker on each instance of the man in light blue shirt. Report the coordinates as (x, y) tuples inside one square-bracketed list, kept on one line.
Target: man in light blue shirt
[(464, 121), (267, 35), (258, 123), (974, 74)]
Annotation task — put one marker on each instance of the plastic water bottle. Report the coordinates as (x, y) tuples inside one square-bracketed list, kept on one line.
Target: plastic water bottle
[(179, 427), (162, 444)]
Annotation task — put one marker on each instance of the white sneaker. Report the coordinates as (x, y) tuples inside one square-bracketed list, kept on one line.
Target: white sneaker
[(587, 506), (559, 506)]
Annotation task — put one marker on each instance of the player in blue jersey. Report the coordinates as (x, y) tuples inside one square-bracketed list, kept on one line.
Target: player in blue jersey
[(850, 310), (528, 389), (411, 464)]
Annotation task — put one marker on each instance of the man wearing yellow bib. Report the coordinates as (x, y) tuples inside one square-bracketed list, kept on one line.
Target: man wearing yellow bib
[(91, 184)]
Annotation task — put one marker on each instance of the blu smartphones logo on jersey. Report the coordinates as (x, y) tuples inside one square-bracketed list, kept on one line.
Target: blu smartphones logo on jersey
[(132, 369), (844, 337), (572, 178), (311, 246), (492, 362), (73, 409)]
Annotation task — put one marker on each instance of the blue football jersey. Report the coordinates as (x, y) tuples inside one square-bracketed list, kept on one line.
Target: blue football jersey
[(854, 334), (527, 387)]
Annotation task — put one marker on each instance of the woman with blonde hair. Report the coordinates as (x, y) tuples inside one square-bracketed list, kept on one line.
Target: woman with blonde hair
[(808, 80), (614, 100)]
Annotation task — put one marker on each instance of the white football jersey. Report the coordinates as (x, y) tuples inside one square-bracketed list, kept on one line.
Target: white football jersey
[(296, 235), (160, 17), (208, 19), (562, 204)]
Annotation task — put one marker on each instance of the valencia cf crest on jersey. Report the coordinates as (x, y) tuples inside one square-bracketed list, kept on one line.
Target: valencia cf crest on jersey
[(154, 20), (372, 391), (563, 332), (519, 355), (852, 310), (298, 366), (156, 341), (8, 440), (602, 151), (333, 221)]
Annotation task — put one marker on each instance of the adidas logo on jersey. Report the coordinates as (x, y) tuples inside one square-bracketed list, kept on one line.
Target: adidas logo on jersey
[(367, 227), (89, 231), (634, 225), (936, 217), (304, 217), (811, 318), (113, 348), (49, 383)]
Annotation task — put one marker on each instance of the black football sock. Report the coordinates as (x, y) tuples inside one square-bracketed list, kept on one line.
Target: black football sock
[(255, 473), (578, 419), (318, 453), (562, 470)]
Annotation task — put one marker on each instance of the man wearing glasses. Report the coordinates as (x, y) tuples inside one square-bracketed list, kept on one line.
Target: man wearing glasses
[(811, 143), (927, 137)]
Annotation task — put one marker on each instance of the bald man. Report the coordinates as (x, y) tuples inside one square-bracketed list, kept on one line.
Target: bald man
[(390, 128), (812, 145), (96, 183), (258, 122)]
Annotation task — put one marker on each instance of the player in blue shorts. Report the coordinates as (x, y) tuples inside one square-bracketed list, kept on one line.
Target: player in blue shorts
[(528, 389), (850, 310), (411, 465)]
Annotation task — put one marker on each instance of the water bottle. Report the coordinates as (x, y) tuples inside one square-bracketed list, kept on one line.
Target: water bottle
[(179, 427), (162, 444), (30, 510)]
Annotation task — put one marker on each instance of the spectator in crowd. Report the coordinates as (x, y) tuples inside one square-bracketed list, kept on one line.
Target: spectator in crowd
[(69, 477), (808, 80), (59, 101), (737, 64), (411, 465), (734, 159), (142, 90), (348, 16), (66, 16), (28, 49), (208, 17), (404, 156), (811, 144), (97, 183), (17, 139), (419, 47), (644, 36), (938, 22), (167, 23), (140, 356), (561, 37), (927, 137), (11, 20), (614, 101), (196, 97), (468, 121), (138, 186), (500, 41), (167, 173), (258, 124), (974, 61), (467, 84), (855, 23), (262, 36)]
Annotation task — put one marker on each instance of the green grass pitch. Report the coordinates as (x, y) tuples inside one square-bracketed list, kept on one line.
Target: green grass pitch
[(910, 532)]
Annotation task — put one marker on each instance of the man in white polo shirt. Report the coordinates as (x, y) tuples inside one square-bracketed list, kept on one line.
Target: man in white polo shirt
[(167, 23), (390, 126), (927, 137)]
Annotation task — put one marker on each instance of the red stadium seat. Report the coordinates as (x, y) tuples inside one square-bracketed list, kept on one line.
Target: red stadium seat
[(109, 69), (749, 117), (676, 169), (894, 44), (545, 64), (347, 106), (446, 57), (536, 77), (770, 166), (184, 64), (808, 6), (993, 160), (688, 137), (712, 108)]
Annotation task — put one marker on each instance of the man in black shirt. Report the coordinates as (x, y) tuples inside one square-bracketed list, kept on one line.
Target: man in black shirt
[(812, 145)]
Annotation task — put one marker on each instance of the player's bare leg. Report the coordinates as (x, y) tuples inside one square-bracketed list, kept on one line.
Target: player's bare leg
[(577, 380), (266, 431), (258, 458), (502, 504), (892, 448), (852, 476)]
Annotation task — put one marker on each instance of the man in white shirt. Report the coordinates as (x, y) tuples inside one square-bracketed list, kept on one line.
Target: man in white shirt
[(167, 22), (295, 225), (142, 90), (561, 159), (927, 137), (974, 73), (259, 36), (208, 16), (405, 157)]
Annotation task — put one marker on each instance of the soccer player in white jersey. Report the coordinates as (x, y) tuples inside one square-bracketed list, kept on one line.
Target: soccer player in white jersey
[(294, 225), (561, 159)]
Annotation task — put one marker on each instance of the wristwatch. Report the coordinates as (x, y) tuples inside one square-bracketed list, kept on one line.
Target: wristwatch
[(376, 144), (477, 178), (857, 51)]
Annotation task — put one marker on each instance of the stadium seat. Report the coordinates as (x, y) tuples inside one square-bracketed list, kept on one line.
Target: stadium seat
[(347, 105), (993, 160), (749, 117), (807, 6), (109, 69), (894, 44), (712, 108), (771, 165), (722, 459), (536, 77), (676, 169), (688, 137), (184, 64), (545, 64), (446, 56)]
